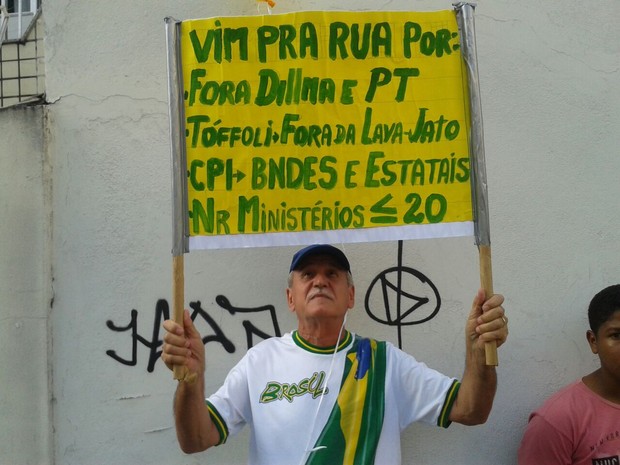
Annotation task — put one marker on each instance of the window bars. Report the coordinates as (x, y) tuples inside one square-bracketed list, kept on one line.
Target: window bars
[(22, 76)]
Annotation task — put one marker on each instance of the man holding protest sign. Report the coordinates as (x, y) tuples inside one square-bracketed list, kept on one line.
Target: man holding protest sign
[(322, 395)]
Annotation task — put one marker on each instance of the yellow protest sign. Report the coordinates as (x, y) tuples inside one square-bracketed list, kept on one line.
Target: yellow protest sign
[(353, 125)]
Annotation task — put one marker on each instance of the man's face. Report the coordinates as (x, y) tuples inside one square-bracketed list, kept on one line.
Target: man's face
[(320, 289), (606, 343)]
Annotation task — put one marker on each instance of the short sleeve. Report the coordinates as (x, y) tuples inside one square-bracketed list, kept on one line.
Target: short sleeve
[(423, 394), (543, 444), (230, 406)]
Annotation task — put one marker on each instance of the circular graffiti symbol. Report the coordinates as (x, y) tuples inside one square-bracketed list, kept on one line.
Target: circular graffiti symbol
[(402, 296)]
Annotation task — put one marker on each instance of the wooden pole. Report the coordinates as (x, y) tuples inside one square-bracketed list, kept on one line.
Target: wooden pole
[(178, 299), (486, 282)]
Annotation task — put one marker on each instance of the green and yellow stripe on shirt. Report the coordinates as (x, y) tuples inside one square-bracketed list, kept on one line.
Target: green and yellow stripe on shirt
[(444, 416), (219, 423), (351, 434)]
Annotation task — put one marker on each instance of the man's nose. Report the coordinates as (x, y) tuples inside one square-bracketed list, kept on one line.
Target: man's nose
[(320, 280)]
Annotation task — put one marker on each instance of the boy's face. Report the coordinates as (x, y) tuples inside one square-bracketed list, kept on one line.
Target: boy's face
[(606, 344)]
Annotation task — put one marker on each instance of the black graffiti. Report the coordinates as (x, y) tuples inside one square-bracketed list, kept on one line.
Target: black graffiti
[(218, 335), (398, 296), (250, 329), (400, 307), (162, 313)]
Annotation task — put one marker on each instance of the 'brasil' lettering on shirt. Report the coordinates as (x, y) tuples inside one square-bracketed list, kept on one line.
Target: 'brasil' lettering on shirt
[(278, 391)]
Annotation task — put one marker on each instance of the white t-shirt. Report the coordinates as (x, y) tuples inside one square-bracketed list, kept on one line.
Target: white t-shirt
[(277, 387)]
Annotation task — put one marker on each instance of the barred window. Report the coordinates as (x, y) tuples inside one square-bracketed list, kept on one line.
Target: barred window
[(21, 14)]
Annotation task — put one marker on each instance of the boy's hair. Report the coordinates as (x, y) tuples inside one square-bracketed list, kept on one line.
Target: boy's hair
[(602, 306)]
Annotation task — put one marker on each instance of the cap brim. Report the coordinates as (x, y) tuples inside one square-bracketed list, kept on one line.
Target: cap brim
[(320, 249)]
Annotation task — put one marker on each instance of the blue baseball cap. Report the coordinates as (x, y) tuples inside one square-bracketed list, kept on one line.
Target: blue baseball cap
[(320, 249)]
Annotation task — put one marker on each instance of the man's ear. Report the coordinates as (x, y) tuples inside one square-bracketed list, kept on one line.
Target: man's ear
[(351, 297), (289, 300), (591, 337)]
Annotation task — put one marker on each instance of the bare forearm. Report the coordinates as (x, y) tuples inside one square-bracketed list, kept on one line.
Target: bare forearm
[(195, 430), (475, 398), (486, 323)]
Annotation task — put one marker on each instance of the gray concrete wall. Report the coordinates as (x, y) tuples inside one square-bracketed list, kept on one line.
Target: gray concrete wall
[(25, 288)]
